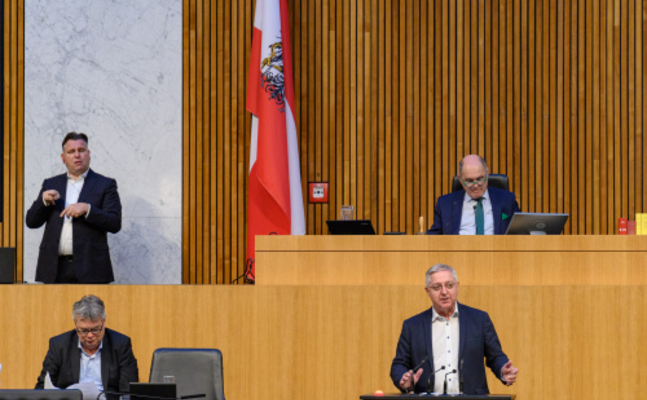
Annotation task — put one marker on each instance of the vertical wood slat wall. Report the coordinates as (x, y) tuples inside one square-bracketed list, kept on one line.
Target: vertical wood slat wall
[(11, 231), (390, 95)]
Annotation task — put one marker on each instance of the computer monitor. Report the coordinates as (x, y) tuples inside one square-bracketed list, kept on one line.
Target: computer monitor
[(537, 224), (350, 227)]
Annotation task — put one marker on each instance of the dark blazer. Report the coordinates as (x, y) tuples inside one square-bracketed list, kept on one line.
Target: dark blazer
[(478, 340), (449, 210), (63, 361), (89, 235)]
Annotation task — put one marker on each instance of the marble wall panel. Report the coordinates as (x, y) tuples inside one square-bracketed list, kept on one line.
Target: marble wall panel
[(111, 69)]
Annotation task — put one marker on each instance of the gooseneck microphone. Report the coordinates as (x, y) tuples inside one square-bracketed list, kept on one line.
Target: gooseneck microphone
[(460, 377), (433, 377), (445, 383), (412, 388)]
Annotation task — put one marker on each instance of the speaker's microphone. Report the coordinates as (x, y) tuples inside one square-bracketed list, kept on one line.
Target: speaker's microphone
[(433, 377), (412, 388), (445, 383), (460, 376)]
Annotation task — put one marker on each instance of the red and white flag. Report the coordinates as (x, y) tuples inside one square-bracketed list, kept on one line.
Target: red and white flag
[(275, 202)]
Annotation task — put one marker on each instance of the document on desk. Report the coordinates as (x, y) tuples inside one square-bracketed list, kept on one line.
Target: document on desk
[(89, 389)]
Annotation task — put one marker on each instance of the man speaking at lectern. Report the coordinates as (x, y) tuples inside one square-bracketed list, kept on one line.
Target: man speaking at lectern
[(442, 349), (477, 209)]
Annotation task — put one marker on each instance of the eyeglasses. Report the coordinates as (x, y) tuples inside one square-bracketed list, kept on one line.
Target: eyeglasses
[(85, 332), (472, 183), (438, 287)]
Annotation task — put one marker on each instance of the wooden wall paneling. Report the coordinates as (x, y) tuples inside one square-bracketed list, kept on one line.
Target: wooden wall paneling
[(202, 178), (449, 89), (557, 205), (230, 76), (459, 89), (13, 122), (371, 72), (624, 108), (413, 148), (616, 112), (638, 154), (490, 61), (498, 85), (528, 153), (631, 109), (330, 332), (390, 95), (589, 172), (322, 143), (239, 72), (642, 205), (190, 166), (551, 183), (327, 60), (602, 119), (398, 134)]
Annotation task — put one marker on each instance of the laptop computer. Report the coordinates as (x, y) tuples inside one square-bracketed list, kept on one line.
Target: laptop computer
[(146, 390), (537, 224), (350, 227)]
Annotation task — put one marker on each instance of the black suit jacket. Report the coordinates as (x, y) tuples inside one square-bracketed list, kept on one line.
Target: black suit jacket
[(89, 235), (478, 340), (63, 361), (449, 211)]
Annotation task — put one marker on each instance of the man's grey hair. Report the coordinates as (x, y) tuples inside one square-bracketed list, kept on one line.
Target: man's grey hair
[(460, 166), (89, 307), (438, 268)]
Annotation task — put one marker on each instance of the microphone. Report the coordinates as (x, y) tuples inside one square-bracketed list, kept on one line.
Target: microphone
[(445, 383), (433, 377), (412, 389), (460, 377)]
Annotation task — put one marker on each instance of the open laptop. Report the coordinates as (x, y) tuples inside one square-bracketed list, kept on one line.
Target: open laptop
[(146, 390), (537, 224), (350, 227)]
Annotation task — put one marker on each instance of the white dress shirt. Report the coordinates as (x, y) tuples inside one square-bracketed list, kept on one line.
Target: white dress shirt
[(72, 193), (445, 335), (468, 218)]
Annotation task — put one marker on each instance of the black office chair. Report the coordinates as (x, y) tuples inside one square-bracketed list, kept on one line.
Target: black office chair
[(498, 181), (195, 370)]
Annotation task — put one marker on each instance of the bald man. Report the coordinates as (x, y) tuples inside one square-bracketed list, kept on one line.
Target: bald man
[(477, 209)]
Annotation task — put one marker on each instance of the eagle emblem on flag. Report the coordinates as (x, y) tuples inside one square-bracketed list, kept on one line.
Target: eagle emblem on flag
[(272, 75)]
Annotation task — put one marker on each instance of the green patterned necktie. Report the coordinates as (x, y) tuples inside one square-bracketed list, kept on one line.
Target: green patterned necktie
[(480, 218)]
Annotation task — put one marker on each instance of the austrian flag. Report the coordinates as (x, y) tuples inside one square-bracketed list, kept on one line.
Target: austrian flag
[(275, 199)]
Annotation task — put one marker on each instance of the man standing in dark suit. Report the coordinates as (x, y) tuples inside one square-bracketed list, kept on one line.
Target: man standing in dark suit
[(446, 344), (79, 208), (90, 353), (476, 209)]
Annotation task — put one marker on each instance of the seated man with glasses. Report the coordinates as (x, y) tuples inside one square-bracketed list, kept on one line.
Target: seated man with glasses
[(90, 353), (442, 349), (477, 209)]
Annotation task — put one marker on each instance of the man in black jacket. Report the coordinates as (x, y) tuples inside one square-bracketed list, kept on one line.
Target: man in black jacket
[(78, 209), (90, 353)]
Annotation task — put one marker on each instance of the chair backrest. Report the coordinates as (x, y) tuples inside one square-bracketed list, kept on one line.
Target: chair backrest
[(40, 394), (195, 370), (498, 181)]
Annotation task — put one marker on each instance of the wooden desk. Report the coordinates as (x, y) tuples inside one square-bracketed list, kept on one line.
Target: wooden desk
[(483, 260)]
